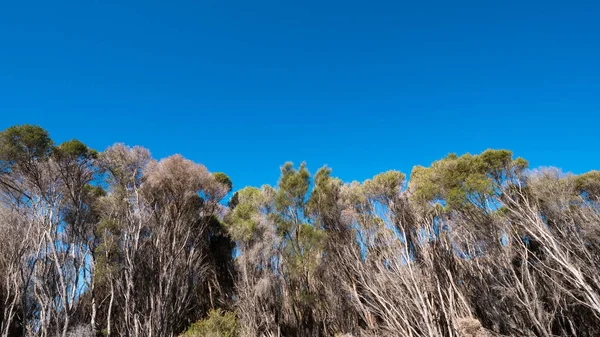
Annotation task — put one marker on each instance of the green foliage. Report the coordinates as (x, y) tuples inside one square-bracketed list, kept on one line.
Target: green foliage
[(498, 164), (93, 191), (224, 179), (385, 186), (588, 184), (108, 227), (24, 142), (219, 323), (244, 217), (290, 201), (302, 240), (311, 240), (292, 188), (323, 198), (74, 149), (107, 252), (465, 182), (422, 185)]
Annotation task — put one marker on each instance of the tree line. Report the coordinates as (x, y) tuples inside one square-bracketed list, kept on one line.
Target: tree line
[(116, 243)]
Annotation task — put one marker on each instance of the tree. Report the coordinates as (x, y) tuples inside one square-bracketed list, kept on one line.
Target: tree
[(162, 219), (47, 186)]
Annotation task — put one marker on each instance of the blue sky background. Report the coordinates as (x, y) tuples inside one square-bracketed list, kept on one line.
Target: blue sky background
[(362, 86)]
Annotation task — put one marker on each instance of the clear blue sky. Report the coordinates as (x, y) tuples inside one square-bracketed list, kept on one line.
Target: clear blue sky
[(362, 86)]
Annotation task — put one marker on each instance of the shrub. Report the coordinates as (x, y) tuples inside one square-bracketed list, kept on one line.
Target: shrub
[(218, 323)]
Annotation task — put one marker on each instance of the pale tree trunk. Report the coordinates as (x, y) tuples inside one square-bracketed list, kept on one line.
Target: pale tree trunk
[(94, 309), (110, 305), (12, 296), (62, 283)]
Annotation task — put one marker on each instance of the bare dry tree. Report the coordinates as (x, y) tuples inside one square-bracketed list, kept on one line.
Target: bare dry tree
[(161, 212)]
